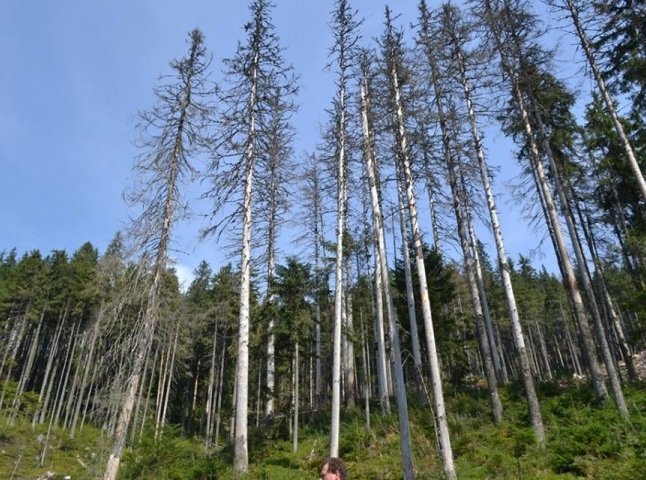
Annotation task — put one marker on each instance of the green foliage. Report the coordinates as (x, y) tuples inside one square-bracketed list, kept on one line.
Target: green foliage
[(583, 441), (82, 457), (170, 457), (27, 401)]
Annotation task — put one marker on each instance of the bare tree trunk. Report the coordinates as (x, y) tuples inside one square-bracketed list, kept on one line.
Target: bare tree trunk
[(348, 350), (543, 348), (410, 295), (344, 30), (382, 271), (569, 278), (573, 350), (163, 216), (26, 371), (366, 369), (382, 361), (11, 348), (446, 451), (493, 344), (169, 382), (88, 365), (296, 397), (67, 366), (135, 420), (532, 349), (218, 406), (528, 381), (611, 311), (46, 385), (71, 397), (613, 376), (460, 209), (162, 386), (210, 395), (89, 394), (271, 339)]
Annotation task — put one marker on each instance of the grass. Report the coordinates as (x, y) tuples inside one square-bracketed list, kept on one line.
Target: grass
[(584, 441)]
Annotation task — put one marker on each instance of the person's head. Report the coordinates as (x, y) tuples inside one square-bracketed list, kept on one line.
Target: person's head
[(333, 469)]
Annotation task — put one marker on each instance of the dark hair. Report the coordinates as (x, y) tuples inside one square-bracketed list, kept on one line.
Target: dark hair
[(336, 465)]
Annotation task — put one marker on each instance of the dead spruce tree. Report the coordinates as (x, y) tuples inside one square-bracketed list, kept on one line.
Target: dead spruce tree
[(276, 167), (512, 29), (260, 86), (173, 134), (343, 56), (445, 109), (393, 58), (458, 35), (382, 274)]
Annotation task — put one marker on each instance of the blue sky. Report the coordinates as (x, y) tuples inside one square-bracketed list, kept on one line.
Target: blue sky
[(74, 74)]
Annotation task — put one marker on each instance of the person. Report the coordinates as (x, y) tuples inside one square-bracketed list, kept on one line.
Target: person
[(333, 469)]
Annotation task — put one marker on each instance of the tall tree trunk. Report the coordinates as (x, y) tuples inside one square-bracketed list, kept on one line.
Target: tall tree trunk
[(338, 275), (528, 382), (26, 371), (144, 337), (459, 206), (606, 299), (46, 385), (552, 219), (613, 376), (349, 370), (67, 367), (87, 366), (271, 339), (169, 381), (296, 398), (410, 295), (446, 451), (210, 395), (382, 360), (380, 239), (493, 344), (241, 461), (218, 414), (72, 396)]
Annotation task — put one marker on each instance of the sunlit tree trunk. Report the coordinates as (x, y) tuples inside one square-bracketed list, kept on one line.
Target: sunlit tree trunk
[(169, 166), (343, 29), (569, 278), (410, 295), (517, 329), (459, 207), (87, 366), (380, 240), (393, 59)]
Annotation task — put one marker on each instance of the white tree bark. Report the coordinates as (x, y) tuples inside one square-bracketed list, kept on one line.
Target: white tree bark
[(569, 278), (446, 451), (241, 459), (380, 240)]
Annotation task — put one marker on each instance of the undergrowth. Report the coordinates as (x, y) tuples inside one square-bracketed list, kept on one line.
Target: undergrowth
[(583, 441)]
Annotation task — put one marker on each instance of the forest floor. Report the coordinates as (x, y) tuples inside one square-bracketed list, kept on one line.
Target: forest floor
[(584, 441)]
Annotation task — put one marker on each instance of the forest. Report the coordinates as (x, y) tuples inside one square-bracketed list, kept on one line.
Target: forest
[(377, 342)]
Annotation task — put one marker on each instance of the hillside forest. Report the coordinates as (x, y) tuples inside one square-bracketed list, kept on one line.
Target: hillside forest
[(401, 336)]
